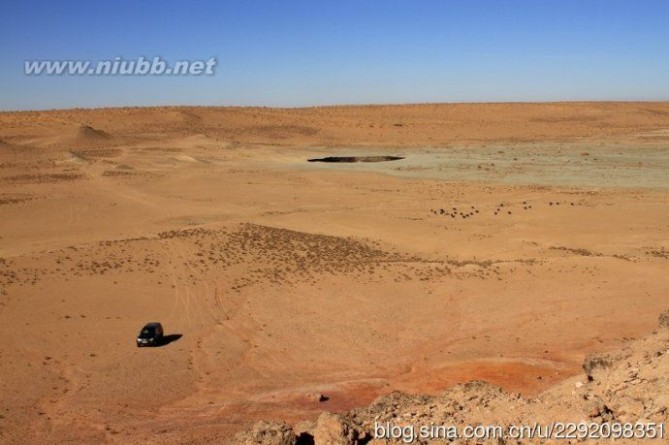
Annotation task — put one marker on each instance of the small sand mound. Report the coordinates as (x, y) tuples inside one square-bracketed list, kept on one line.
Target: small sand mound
[(81, 137), (89, 133)]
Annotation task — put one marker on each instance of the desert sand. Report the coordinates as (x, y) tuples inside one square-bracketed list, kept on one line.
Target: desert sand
[(511, 241)]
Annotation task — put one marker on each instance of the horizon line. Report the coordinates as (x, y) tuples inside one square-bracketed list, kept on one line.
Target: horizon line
[(345, 105)]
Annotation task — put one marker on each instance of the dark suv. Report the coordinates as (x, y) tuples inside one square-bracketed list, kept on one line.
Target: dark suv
[(150, 335)]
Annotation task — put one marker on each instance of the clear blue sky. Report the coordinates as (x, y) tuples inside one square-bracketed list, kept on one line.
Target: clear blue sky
[(311, 52)]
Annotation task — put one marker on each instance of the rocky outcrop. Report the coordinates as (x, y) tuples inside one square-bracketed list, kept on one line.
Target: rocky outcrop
[(333, 429), (625, 386), (268, 433)]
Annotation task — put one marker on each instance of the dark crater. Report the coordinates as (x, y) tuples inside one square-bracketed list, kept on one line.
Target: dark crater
[(357, 159)]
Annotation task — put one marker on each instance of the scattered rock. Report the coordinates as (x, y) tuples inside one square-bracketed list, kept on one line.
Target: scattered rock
[(317, 397)]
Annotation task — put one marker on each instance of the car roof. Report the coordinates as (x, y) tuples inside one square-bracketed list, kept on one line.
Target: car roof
[(153, 324)]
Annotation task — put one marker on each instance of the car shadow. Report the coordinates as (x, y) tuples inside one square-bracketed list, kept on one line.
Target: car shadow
[(167, 339)]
